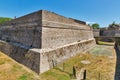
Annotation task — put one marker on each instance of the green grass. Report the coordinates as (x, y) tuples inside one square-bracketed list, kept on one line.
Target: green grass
[(55, 74), (4, 19), (23, 77), (16, 68), (106, 43), (102, 50)]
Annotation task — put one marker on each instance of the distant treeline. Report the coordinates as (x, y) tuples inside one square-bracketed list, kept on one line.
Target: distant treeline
[(4, 19)]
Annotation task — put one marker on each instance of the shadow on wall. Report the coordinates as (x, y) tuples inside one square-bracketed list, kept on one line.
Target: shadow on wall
[(117, 70), (17, 42), (21, 54)]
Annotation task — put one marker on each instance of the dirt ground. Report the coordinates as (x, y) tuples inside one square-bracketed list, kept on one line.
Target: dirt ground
[(99, 63), (103, 66)]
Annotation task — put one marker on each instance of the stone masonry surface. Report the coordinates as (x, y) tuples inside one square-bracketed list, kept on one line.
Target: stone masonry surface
[(40, 39)]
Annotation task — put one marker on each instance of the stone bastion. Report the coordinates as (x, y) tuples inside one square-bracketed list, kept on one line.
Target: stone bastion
[(41, 39)]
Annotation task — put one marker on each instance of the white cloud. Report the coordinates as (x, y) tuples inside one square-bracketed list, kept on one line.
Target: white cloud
[(88, 22)]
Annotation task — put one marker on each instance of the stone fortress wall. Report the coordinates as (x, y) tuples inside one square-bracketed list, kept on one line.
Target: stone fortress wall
[(40, 39), (25, 30), (45, 27), (106, 33), (58, 30)]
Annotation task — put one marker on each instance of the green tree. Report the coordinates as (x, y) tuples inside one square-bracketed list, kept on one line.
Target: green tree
[(4, 19), (95, 26)]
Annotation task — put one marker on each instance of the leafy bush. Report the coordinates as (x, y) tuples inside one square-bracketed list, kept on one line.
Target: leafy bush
[(4, 19)]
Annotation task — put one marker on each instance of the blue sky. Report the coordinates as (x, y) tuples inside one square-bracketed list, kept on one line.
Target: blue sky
[(103, 12)]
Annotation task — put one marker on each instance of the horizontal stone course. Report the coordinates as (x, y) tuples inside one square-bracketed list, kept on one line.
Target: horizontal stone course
[(39, 40), (42, 60)]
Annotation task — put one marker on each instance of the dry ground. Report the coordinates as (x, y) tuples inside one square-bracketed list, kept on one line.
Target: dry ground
[(102, 66), (11, 70)]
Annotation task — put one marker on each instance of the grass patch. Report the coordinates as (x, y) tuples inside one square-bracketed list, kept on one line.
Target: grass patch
[(16, 68), (23, 77), (106, 43), (55, 74), (101, 50), (2, 62)]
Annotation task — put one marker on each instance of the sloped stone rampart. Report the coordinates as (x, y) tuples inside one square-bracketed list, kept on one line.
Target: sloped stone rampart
[(42, 39)]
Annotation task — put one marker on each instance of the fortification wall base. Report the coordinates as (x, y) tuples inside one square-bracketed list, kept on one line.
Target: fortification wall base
[(21, 54), (40, 60)]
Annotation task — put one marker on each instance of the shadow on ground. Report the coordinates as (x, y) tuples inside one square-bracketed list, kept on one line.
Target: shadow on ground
[(117, 70)]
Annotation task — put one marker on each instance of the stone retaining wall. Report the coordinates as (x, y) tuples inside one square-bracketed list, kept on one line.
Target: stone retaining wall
[(51, 58), (25, 30), (21, 54), (41, 60)]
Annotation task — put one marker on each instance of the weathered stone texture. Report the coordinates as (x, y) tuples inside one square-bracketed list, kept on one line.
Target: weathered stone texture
[(96, 32), (106, 33), (51, 57), (37, 29), (51, 16), (40, 39), (23, 36), (24, 30), (21, 54), (55, 37), (58, 30)]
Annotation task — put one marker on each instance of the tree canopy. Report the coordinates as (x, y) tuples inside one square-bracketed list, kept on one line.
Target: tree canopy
[(4, 19), (95, 26), (114, 26)]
